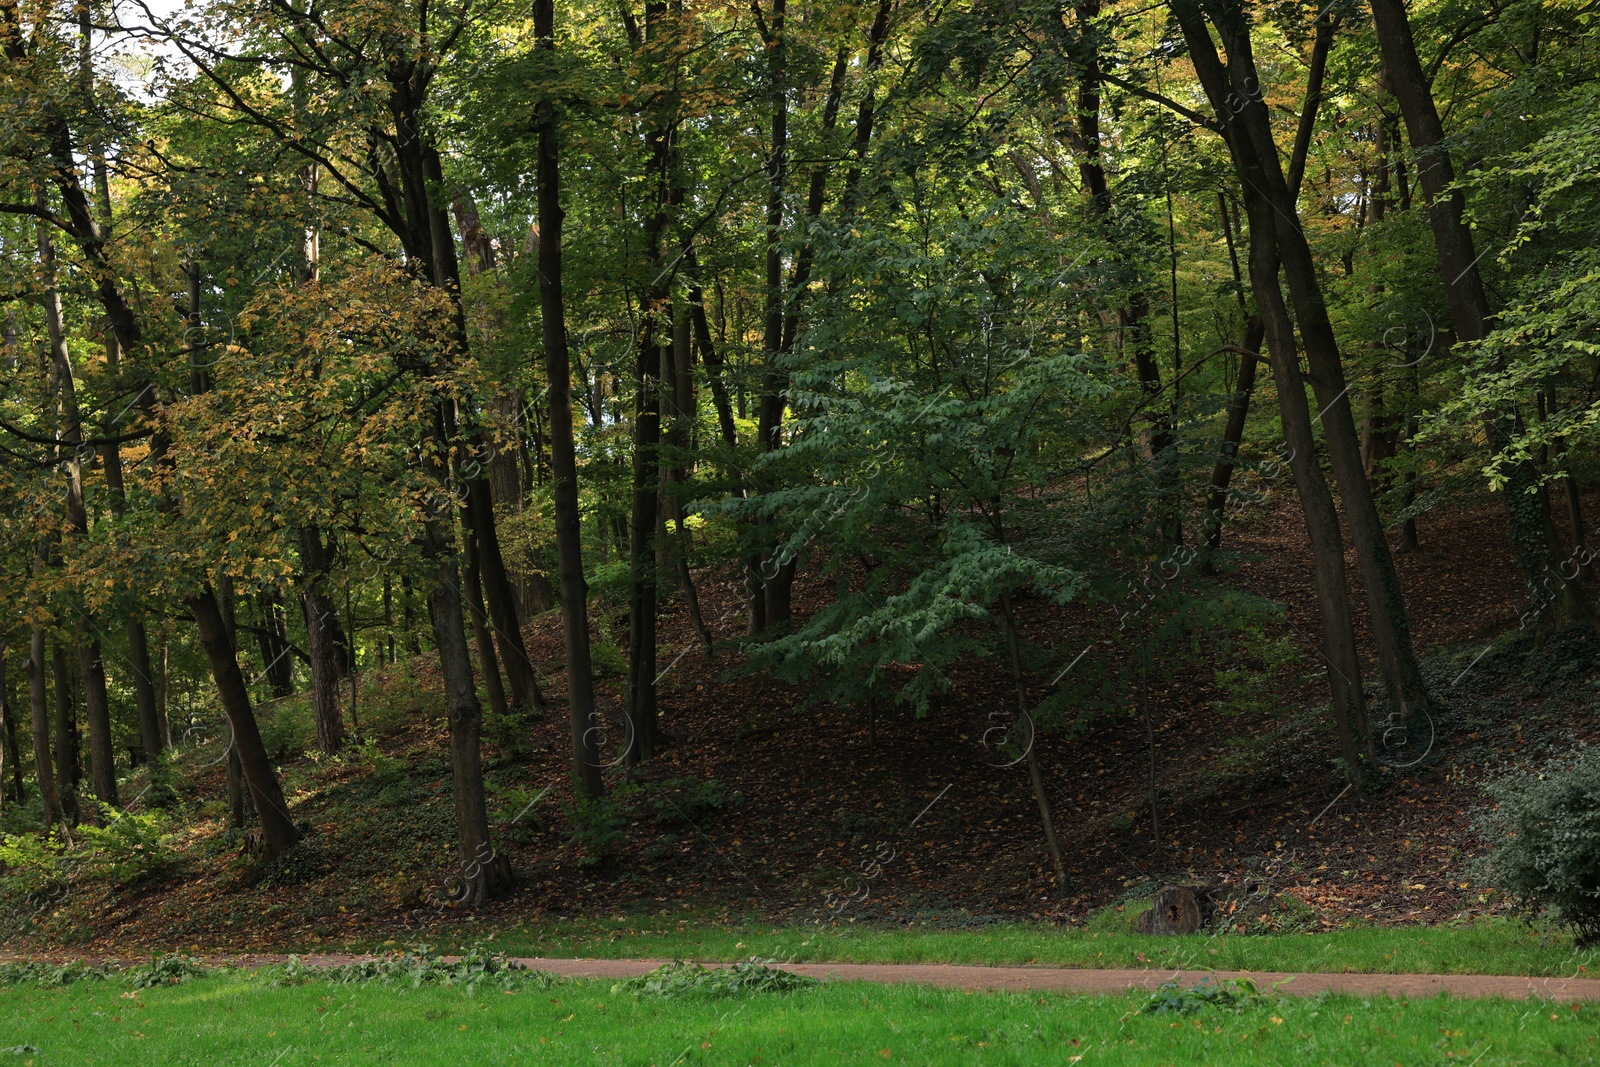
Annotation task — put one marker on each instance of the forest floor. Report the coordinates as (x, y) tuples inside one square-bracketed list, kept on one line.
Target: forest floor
[(762, 805)]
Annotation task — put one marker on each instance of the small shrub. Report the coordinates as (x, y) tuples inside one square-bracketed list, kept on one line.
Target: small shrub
[(170, 969), (164, 782), (687, 979), (597, 828), (607, 660), (511, 731), (303, 864), (127, 849), (289, 728), (689, 801), (50, 974), (30, 866), (1233, 994), (421, 966), (1546, 830)]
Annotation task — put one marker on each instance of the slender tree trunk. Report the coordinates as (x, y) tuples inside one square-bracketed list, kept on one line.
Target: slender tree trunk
[(501, 598), (770, 405), (1535, 545), (654, 336), (480, 627), (236, 788), (272, 634), (39, 706), (141, 675), (69, 435), (1133, 319), (278, 831), (322, 638), (8, 712), (1035, 775), (1247, 130), (1232, 437), (1239, 403), (563, 451), (710, 355), (479, 874), (69, 768), (1322, 523)]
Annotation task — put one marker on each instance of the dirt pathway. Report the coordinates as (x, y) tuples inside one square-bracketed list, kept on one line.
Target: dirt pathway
[(1055, 979)]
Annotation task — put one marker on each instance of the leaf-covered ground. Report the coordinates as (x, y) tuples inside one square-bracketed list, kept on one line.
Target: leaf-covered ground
[(763, 805)]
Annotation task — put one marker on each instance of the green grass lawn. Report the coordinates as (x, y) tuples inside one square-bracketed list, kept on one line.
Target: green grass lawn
[(1487, 947), (241, 1019)]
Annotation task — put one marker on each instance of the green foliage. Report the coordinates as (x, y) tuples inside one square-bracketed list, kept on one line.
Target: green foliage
[(1546, 837), (127, 848), (163, 783), (33, 972), (688, 801), (511, 731), (420, 966), (171, 969), (1228, 994), (30, 865), (289, 727), (679, 979), (1251, 681), (597, 829)]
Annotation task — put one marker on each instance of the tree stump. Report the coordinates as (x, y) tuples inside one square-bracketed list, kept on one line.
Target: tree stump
[(1175, 910)]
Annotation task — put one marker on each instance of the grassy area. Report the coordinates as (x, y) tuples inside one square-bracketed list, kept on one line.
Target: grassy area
[(235, 1019), (1486, 947)]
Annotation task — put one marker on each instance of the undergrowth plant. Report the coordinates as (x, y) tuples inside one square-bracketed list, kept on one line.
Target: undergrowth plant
[(679, 978), (1546, 834), (419, 966)]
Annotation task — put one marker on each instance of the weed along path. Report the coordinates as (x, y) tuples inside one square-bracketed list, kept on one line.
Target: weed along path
[(1019, 978), (1074, 980)]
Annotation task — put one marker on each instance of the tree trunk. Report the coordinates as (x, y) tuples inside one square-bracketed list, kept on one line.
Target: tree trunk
[(563, 451), (1232, 437), (8, 713), (272, 634), (69, 768), (501, 598), (278, 831), (1322, 523), (1035, 775), (97, 714), (480, 627), (1133, 329), (69, 435), (478, 873), (142, 677), (646, 500), (39, 706), (323, 638), (1535, 545), (236, 788), (1249, 137)]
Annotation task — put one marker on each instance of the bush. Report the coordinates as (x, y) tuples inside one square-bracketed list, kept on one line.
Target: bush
[(50, 974), (598, 827), (1230, 994), (689, 801), (511, 731), (289, 727), (420, 966), (680, 978), (1546, 830), (170, 969), (127, 849), (164, 782), (30, 866)]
